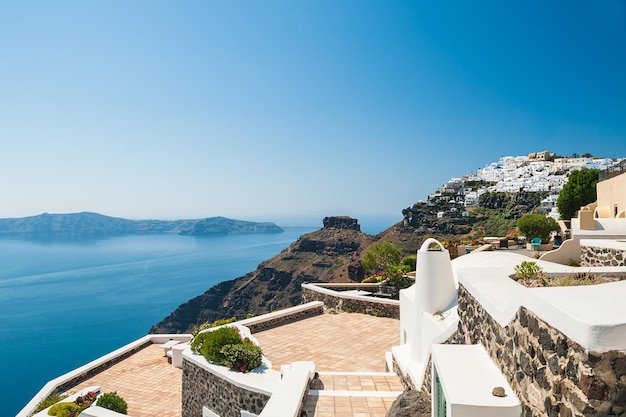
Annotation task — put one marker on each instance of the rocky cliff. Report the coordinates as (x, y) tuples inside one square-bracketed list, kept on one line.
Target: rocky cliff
[(331, 254)]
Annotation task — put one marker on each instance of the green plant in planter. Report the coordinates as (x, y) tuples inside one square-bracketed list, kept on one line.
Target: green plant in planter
[(50, 400), (210, 325), (113, 402), (399, 280), (64, 409), (528, 270), (242, 357), (209, 344)]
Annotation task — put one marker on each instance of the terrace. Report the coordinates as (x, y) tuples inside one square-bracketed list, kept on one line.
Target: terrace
[(353, 377)]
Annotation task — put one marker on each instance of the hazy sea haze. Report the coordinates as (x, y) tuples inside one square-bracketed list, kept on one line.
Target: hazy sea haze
[(64, 303)]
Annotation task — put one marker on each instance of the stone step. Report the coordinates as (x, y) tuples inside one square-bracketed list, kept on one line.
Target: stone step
[(352, 393), (356, 384)]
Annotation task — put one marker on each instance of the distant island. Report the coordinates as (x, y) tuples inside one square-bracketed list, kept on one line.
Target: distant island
[(85, 225)]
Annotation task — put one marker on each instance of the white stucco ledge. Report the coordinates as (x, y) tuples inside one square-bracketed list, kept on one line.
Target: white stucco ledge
[(52, 385), (96, 411), (468, 377), (326, 288), (594, 316), (263, 380), (280, 313), (294, 385), (605, 243)]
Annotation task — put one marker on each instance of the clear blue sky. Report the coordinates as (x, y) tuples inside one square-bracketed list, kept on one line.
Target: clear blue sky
[(268, 110)]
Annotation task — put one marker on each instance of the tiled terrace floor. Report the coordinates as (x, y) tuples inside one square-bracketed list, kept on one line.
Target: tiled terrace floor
[(150, 385), (340, 343), (335, 342)]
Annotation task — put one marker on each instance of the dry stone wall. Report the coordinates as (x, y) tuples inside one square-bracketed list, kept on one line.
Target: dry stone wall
[(282, 320), (552, 375), (350, 305), (201, 388), (596, 256)]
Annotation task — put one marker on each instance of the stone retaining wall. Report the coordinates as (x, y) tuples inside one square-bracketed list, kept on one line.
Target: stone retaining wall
[(552, 375), (201, 388), (335, 302), (597, 256), (279, 321), (100, 368)]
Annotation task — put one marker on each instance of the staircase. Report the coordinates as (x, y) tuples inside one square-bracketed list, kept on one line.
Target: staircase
[(343, 394)]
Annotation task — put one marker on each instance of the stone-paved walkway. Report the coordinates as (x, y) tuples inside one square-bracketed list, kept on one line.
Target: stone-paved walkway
[(352, 394), (347, 342), (349, 353), (148, 384)]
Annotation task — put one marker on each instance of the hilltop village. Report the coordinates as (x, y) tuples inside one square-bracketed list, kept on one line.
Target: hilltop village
[(540, 172)]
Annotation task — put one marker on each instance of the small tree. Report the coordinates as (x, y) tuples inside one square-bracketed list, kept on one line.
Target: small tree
[(381, 257), (537, 225), (113, 402), (579, 191), (411, 261)]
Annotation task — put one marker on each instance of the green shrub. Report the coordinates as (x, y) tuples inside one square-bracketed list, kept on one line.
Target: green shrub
[(50, 400), (527, 270), (210, 343), (399, 280), (113, 402), (64, 409), (216, 323), (242, 357), (411, 261), (573, 280), (573, 262)]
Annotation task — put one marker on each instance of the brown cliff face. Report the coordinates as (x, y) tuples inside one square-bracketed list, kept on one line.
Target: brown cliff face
[(331, 254)]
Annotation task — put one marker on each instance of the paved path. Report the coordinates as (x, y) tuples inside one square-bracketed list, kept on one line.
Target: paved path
[(148, 384), (349, 354), (350, 394), (347, 342)]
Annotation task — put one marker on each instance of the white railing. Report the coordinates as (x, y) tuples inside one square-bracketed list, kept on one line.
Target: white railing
[(53, 385)]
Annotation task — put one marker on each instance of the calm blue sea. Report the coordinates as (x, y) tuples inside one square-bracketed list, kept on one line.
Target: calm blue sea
[(63, 304)]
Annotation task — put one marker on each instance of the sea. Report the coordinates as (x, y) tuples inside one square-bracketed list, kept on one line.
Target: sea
[(64, 303)]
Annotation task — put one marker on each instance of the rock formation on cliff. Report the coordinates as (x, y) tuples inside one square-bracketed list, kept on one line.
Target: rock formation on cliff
[(331, 254)]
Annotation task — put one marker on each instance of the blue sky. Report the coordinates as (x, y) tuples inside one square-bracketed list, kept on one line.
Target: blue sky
[(283, 110)]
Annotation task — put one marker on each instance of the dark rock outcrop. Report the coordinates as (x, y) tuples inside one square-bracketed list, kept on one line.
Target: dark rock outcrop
[(410, 404), (341, 222)]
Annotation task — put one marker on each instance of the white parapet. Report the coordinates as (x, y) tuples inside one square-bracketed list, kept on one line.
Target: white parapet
[(468, 379)]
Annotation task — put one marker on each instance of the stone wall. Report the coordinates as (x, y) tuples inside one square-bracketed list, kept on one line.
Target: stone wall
[(596, 256), (552, 375), (202, 388), (335, 302), (281, 320), (100, 368)]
